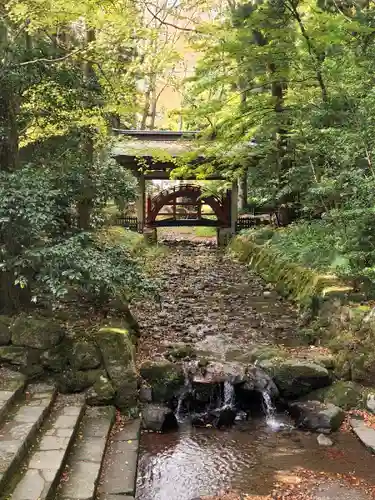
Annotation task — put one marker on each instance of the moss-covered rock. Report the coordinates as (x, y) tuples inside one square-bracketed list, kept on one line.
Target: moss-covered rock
[(101, 393), (55, 359), (77, 381), (84, 355), (180, 351), (117, 351), (22, 358), (5, 335), (164, 378), (39, 333), (345, 394), (262, 353), (317, 416), (294, 377)]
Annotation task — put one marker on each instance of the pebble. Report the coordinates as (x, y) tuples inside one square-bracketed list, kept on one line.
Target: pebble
[(324, 440), (370, 403)]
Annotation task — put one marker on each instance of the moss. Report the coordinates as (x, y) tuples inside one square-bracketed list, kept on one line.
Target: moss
[(346, 395), (181, 351), (118, 353), (263, 353), (164, 378), (77, 381), (298, 283), (39, 333), (101, 393), (295, 377)]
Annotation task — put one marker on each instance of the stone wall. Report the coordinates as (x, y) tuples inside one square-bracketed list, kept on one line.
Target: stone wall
[(99, 362), (306, 287)]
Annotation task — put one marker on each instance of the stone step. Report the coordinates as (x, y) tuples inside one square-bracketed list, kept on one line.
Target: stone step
[(85, 462), (9, 393), (43, 470), (120, 470), (20, 429)]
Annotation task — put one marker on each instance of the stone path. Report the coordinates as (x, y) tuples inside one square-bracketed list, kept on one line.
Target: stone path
[(219, 306), (222, 309), (53, 447)]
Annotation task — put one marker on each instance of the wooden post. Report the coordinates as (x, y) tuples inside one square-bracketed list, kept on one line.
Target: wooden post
[(141, 200), (199, 209), (234, 207)]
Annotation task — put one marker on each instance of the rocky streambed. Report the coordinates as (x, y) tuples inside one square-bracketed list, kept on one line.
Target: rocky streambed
[(222, 354)]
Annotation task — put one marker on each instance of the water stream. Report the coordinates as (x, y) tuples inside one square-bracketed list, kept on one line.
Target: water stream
[(219, 307), (249, 457), (229, 395)]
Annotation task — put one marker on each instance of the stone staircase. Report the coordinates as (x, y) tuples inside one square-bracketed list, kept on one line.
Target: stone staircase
[(53, 447)]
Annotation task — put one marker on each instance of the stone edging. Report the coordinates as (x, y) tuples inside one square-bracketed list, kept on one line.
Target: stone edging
[(304, 286)]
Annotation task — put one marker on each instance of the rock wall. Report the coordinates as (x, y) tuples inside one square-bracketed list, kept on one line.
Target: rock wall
[(306, 287), (99, 362)]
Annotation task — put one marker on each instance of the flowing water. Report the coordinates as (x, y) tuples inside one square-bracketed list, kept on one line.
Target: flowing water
[(229, 397), (249, 458), (221, 309)]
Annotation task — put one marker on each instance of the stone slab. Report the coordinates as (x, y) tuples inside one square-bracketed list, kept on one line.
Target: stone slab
[(82, 481), (87, 456), (365, 434), (121, 473), (130, 431), (20, 430), (99, 417), (8, 396), (45, 465)]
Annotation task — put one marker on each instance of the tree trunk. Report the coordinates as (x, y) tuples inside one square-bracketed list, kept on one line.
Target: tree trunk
[(85, 205), (154, 101), (146, 109), (242, 191)]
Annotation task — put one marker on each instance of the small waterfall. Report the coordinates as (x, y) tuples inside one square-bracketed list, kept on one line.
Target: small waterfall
[(270, 410), (187, 389), (228, 396), (268, 405)]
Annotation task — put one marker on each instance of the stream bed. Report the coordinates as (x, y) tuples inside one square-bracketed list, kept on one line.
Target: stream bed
[(223, 311), (249, 458)]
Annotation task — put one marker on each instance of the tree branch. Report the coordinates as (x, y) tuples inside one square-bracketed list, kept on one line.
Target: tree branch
[(172, 25), (50, 61)]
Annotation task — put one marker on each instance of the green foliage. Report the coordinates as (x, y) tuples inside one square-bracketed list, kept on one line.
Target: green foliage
[(294, 77), (100, 272)]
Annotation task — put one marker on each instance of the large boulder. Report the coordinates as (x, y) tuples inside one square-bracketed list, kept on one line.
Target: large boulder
[(102, 393), (23, 359), (57, 358), (117, 351), (295, 377), (317, 416), (77, 381), (345, 394), (164, 378), (158, 418), (5, 335), (84, 355), (216, 372), (259, 380), (39, 333)]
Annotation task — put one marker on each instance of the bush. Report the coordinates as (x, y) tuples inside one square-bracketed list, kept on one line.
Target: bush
[(96, 270)]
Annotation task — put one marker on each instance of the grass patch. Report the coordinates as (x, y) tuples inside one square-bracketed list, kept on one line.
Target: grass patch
[(205, 232)]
